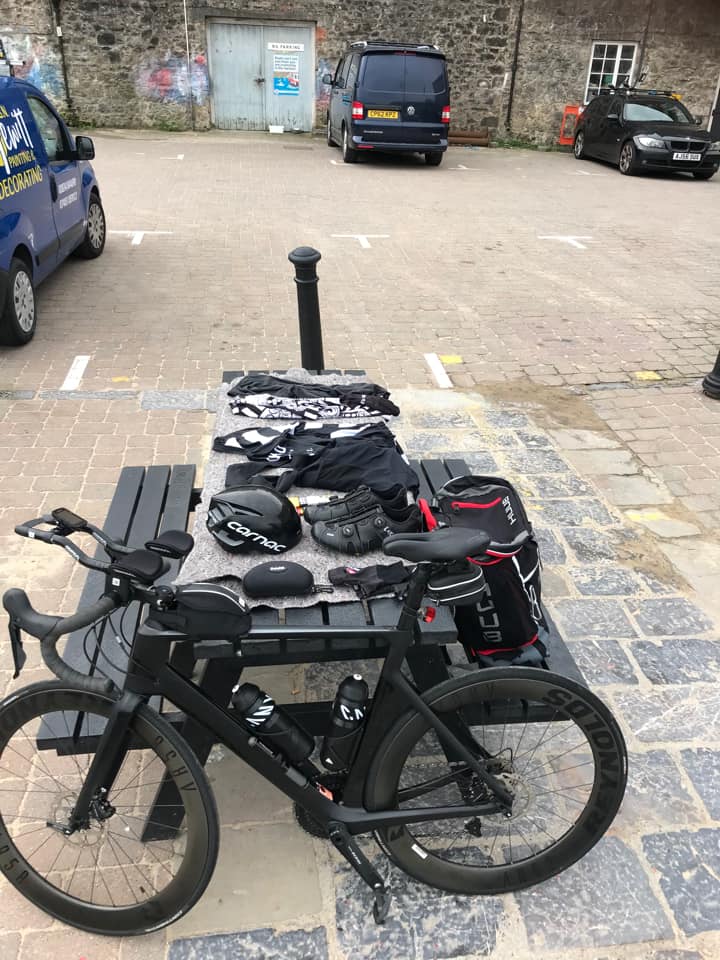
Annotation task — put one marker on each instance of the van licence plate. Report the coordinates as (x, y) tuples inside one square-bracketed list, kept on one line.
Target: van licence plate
[(382, 114), (687, 156)]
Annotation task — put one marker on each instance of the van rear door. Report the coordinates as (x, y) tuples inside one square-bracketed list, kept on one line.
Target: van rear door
[(403, 94), (25, 206)]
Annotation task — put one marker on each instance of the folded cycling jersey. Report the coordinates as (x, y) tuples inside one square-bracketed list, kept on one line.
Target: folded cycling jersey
[(298, 440), (349, 393), (347, 464), (266, 406)]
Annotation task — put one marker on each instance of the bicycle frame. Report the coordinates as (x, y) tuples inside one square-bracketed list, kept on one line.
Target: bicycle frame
[(393, 695)]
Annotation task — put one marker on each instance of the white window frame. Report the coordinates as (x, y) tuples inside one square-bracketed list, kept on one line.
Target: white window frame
[(620, 44)]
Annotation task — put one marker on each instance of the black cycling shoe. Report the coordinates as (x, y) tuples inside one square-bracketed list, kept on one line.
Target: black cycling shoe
[(361, 534), (356, 503)]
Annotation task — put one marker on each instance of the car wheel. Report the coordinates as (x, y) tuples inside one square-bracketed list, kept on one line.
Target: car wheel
[(579, 146), (94, 241), (628, 159), (348, 154), (330, 141), (433, 159), (704, 174), (19, 318)]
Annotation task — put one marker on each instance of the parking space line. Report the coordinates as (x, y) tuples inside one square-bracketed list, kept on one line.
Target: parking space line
[(362, 238), (574, 241), (438, 371), (179, 156), (138, 235), (75, 373)]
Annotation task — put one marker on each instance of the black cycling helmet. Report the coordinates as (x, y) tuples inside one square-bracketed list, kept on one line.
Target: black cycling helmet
[(253, 517)]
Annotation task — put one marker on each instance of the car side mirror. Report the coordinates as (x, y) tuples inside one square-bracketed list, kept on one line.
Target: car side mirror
[(327, 79), (84, 148), (700, 121), (613, 118)]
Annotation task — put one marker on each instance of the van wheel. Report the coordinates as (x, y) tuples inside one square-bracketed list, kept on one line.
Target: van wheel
[(348, 154), (94, 241), (433, 159), (330, 141), (19, 318)]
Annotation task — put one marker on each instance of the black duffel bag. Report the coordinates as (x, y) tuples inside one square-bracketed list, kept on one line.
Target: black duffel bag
[(497, 596)]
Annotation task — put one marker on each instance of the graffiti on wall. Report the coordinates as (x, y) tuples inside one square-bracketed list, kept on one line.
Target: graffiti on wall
[(39, 62), (322, 90), (165, 79)]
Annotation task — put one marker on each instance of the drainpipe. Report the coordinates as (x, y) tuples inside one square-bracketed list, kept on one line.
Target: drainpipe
[(191, 100), (513, 68), (55, 9), (643, 42)]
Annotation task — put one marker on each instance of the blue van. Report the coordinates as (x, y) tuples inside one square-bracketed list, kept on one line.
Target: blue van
[(49, 202)]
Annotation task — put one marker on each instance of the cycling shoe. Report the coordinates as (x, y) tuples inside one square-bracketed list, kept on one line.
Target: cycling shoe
[(361, 534)]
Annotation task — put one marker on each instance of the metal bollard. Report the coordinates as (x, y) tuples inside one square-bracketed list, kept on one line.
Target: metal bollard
[(305, 260), (711, 383)]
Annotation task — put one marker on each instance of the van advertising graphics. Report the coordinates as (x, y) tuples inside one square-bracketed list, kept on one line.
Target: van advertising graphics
[(17, 151), (286, 75)]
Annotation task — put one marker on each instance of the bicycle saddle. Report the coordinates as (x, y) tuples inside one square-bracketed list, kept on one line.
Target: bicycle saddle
[(439, 546)]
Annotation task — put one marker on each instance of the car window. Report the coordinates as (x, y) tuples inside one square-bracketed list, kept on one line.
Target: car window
[(660, 111), (384, 71), (51, 132), (352, 72), (615, 107), (424, 74), (339, 73)]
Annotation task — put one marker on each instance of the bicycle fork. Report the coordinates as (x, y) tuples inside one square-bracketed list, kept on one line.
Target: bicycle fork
[(109, 755)]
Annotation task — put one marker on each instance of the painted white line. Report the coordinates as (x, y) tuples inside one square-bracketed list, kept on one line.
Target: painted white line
[(75, 373), (362, 238), (460, 167), (586, 173), (438, 371), (179, 156), (138, 235), (573, 241)]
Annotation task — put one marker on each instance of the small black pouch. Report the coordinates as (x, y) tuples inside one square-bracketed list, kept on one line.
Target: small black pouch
[(279, 578), (460, 584)]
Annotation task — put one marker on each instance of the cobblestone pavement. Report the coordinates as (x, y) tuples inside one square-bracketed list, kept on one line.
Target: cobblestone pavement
[(576, 374)]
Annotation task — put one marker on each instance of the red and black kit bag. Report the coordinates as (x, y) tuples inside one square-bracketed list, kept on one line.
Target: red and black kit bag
[(497, 596)]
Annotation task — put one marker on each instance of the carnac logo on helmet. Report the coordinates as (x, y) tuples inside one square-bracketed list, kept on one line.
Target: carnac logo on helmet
[(255, 537)]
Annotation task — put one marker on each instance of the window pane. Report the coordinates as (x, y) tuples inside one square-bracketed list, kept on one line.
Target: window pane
[(611, 51), (596, 66), (599, 50), (595, 79), (424, 74), (628, 50), (383, 71), (49, 129)]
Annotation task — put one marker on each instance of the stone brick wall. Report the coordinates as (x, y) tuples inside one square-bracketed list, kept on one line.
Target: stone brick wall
[(127, 62), (682, 52)]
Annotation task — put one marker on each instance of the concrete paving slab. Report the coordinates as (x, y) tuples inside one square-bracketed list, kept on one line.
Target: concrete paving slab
[(633, 490), (265, 875), (596, 463), (583, 440), (662, 525)]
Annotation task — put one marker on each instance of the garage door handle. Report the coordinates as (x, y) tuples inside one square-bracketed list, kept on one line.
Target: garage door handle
[(53, 188)]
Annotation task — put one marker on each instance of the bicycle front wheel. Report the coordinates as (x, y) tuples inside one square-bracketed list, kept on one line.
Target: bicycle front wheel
[(549, 740), (125, 872)]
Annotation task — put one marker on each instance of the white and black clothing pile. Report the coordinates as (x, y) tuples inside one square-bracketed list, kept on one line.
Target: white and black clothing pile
[(208, 561), (265, 397)]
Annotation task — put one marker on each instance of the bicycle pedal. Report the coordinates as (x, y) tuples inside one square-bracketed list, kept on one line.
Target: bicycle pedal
[(381, 907)]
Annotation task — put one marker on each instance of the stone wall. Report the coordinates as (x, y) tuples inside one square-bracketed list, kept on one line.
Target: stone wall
[(127, 62), (681, 52)]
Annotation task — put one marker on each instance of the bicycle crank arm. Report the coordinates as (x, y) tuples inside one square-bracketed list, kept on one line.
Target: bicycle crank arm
[(343, 842)]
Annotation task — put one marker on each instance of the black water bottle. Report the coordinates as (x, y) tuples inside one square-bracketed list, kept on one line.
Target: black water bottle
[(271, 724), (346, 724)]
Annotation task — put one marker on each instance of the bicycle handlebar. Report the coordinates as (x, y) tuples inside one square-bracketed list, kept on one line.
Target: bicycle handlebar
[(83, 618)]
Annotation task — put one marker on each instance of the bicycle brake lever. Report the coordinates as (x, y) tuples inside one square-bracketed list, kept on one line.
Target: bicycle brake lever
[(16, 645)]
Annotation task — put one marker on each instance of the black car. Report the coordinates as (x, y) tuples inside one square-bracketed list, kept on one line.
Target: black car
[(645, 130), (390, 97)]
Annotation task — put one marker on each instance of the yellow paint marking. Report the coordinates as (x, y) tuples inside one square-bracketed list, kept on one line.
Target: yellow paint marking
[(641, 515), (451, 358), (120, 379), (647, 375)]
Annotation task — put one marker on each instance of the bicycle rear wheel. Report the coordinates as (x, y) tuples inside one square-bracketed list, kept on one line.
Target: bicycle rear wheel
[(552, 742), (111, 877)]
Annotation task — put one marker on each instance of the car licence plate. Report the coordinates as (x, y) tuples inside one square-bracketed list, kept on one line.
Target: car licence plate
[(687, 156), (382, 114)]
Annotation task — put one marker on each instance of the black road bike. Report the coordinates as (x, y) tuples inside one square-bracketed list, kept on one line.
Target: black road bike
[(481, 785)]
